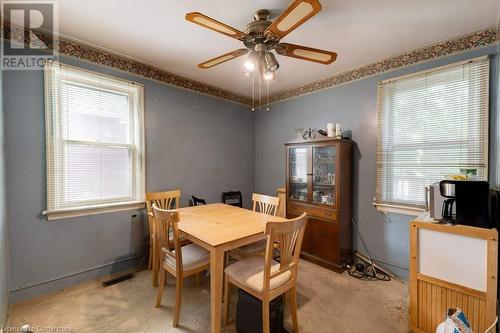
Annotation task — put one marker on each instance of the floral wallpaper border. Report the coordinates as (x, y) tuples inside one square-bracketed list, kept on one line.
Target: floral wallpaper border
[(456, 45), (105, 58)]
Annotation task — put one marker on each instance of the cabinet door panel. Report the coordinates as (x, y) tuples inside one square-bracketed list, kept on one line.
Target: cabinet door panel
[(324, 240), (298, 173), (324, 166)]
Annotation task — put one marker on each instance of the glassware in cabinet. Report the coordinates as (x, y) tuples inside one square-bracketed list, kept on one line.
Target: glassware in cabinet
[(323, 175), (298, 173)]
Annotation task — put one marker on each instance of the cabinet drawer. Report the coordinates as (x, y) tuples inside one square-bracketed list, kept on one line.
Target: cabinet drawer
[(319, 212)]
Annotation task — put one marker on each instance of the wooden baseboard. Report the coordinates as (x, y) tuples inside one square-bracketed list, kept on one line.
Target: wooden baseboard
[(324, 263)]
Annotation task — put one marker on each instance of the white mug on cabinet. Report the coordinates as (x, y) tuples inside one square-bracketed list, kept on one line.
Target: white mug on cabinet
[(330, 129)]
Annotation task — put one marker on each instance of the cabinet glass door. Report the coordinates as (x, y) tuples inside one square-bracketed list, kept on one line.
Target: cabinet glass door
[(298, 173), (323, 177)]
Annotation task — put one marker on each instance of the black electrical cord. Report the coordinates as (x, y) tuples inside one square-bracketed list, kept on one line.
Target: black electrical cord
[(366, 273)]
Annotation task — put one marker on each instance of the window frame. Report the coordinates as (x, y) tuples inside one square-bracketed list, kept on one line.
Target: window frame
[(55, 140), (411, 209)]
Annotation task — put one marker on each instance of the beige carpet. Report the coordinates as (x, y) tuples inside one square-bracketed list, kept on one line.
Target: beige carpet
[(328, 302)]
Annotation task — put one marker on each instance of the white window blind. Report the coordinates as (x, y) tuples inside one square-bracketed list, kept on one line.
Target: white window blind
[(430, 125), (94, 131)]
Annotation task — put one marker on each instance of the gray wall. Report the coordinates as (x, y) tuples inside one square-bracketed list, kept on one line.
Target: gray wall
[(4, 248), (199, 144), (354, 105)]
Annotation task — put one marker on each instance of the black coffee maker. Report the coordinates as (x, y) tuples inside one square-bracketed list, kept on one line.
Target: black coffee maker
[(447, 189), (467, 202)]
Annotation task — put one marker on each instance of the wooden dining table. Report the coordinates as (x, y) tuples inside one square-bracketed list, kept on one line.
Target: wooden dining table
[(220, 228)]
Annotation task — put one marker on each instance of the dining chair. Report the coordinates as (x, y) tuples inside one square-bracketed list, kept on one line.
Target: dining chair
[(163, 200), (180, 261), (266, 279), (198, 201), (263, 204), (232, 198)]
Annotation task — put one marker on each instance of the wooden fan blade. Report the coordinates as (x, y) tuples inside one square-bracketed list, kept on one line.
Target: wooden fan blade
[(306, 53), (210, 23), (223, 58), (296, 14)]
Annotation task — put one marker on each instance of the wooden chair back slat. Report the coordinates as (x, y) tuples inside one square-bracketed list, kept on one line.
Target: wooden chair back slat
[(167, 233), (163, 200), (169, 254), (281, 271), (287, 238), (265, 204)]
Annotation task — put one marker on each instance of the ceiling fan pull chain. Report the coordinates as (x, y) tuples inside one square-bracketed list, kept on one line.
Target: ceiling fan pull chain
[(253, 92), (267, 107), (260, 94)]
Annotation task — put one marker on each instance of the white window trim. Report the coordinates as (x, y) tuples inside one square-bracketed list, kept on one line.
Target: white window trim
[(93, 210), (398, 209), (387, 208), (98, 208)]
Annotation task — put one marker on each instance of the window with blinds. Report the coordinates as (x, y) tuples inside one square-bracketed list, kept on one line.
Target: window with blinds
[(94, 136), (431, 125)]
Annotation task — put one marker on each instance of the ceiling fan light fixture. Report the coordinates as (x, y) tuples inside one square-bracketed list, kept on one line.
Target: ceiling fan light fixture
[(271, 62), (262, 68), (269, 76), (252, 61), (249, 65)]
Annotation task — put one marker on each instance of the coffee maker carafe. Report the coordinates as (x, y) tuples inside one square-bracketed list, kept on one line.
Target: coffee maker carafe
[(447, 189)]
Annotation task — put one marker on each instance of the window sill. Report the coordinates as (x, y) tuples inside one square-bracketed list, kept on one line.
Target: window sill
[(93, 210), (405, 210)]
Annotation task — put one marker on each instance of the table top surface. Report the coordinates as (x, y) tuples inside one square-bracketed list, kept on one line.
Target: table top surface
[(217, 224)]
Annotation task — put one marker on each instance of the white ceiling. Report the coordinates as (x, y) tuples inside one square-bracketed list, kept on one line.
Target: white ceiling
[(360, 31)]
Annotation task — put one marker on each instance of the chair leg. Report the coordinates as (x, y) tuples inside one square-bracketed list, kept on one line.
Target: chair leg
[(161, 287), (265, 316), (292, 296), (178, 299), (150, 257), (156, 264), (198, 278), (225, 313)]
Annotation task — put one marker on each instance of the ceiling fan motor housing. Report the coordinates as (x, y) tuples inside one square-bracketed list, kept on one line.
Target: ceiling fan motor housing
[(255, 30)]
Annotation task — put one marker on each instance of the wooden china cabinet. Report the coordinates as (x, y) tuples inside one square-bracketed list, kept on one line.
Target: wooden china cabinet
[(319, 182)]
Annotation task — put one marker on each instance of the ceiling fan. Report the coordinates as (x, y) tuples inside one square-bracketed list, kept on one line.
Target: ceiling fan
[(262, 36)]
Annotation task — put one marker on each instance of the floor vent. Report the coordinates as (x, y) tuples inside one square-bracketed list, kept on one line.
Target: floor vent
[(118, 279)]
